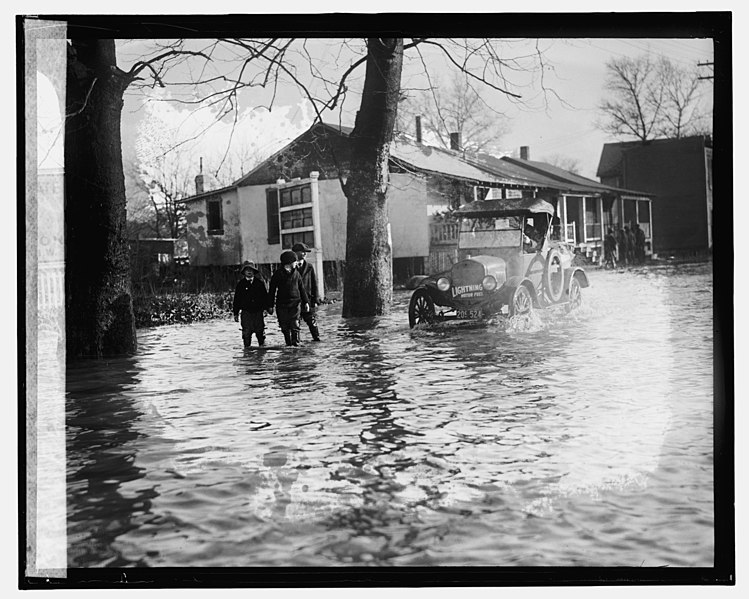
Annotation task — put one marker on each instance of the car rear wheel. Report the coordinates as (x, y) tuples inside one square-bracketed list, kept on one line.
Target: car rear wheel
[(420, 309), (521, 302), (575, 294)]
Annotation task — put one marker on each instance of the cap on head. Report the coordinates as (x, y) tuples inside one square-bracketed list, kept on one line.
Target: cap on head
[(247, 264), (300, 247), (288, 257)]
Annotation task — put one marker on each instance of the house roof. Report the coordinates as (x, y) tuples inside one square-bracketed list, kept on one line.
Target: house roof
[(324, 127), (610, 163), (506, 207), (537, 177), (484, 169), (573, 181), (207, 194), (436, 160)]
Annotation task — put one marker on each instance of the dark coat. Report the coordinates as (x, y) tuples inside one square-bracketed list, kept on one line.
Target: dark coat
[(609, 242), (250, 297), (309, 280), (622, 239), (286, 289)]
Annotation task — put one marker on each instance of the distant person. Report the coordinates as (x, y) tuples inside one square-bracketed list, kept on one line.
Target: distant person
[(309, 280), (639, 244), (288, 296), (609, 249), (621, 242), (533, 238), (251, 299), (630, 245)]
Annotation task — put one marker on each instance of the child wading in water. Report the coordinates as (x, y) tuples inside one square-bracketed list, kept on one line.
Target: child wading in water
[(251, 298), (289, 297), (309, 280)]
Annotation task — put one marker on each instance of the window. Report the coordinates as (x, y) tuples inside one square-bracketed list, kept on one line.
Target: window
[(306, 237), (296, 219), (296, 195), (295, 213), (214, 218), (271, 204), (643, 211), (630, 212), (593, 229)]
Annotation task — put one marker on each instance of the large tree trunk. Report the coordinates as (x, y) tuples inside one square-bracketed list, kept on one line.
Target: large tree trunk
[(99, 309), (368, 280)]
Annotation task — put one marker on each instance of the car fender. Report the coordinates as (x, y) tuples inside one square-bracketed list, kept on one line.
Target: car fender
[(513, 283), (416, 281), (440, 298), (579, 274)]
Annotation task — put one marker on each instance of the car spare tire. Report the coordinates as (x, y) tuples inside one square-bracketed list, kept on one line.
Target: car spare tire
[(554, 276)]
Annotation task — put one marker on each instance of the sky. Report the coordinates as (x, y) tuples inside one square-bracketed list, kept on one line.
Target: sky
[(563, 126), (581, 73)]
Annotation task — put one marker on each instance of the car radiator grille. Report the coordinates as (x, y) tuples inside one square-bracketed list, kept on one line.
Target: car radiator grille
[(467, 273)]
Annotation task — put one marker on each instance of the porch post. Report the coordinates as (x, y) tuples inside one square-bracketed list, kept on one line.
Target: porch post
[(315, 194), (650, 211), (564, 219), (584, 201)]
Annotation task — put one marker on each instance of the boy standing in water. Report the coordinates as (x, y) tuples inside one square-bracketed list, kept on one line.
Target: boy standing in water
[(289, 297), (251, 298), (309, 280)]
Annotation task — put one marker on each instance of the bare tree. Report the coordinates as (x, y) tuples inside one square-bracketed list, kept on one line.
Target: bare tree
[(167, 178), (368, 283), (99, 303), (650, 98), (457, 107), (140, 220), (683, 113), (327, 75), (636, 98), (99, 316)]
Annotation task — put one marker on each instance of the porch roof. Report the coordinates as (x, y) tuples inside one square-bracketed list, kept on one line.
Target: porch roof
[(506, 207)]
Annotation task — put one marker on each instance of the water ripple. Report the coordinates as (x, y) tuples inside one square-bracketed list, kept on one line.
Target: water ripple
[(561, 439)]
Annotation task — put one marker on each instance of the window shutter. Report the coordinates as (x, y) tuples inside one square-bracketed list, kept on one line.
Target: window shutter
[(274, 229)]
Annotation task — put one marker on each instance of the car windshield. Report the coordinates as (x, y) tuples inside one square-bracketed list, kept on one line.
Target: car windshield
[(492, 232)]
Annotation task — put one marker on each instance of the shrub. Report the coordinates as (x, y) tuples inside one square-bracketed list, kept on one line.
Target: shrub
[(180, 308)]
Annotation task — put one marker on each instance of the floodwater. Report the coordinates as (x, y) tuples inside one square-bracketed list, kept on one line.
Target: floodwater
[(580, 439)]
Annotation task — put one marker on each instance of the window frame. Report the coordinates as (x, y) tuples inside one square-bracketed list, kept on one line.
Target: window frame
[(219, 215)]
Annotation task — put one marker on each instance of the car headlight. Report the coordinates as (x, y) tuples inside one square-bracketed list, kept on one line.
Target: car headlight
[(489, 283), (443, 283)]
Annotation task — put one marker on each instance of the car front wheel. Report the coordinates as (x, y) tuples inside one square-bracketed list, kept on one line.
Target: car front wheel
[(521, 302), (420, 309)]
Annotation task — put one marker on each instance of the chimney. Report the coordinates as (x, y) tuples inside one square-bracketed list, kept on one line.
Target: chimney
[(199, 180), (524, 153), (455, 141), (418, 129)]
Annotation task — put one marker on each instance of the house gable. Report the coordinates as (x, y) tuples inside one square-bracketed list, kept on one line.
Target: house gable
[(321, 148)]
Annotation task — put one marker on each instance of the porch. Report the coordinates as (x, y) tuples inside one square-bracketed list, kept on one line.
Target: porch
[(584, 220)]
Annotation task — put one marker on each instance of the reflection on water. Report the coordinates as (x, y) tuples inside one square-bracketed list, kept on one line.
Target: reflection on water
[(569, 439)]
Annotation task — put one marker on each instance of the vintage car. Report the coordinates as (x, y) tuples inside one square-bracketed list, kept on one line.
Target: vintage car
[(508, 263)]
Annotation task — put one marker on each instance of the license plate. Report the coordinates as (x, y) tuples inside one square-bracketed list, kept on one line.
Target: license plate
[(472, 314)]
